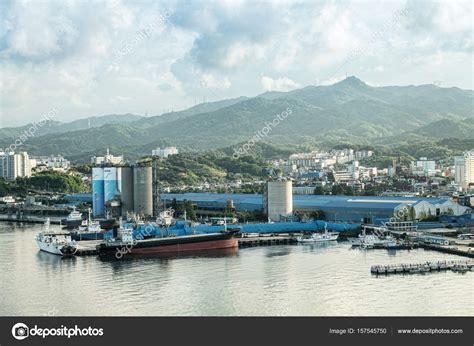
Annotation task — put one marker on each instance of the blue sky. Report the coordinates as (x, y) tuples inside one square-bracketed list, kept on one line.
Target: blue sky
[(94, 58)]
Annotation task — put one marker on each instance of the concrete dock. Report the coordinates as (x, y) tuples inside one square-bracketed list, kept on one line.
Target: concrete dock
[(87, 247), (54, 220), (458, 249), (261, 241)]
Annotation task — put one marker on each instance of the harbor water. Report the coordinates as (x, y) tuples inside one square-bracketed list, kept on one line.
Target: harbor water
[(289, 280)]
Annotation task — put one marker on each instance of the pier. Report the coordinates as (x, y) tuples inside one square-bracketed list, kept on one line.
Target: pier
[(460, 250), (262, 241), (419, 268), (30, 219), (87, 247)]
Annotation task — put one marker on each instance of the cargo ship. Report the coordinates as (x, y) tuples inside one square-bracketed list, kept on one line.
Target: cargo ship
[(124, 243)]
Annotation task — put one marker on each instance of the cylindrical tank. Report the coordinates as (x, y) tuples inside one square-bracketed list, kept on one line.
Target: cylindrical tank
[(98, 203), (125, 183), (279, 199), (110, 183), (143, 190)]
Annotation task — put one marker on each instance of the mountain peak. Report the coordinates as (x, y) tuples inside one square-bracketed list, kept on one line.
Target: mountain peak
[(352, 81)]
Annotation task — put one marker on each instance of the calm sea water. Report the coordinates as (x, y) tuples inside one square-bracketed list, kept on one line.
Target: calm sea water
[(274, 280)]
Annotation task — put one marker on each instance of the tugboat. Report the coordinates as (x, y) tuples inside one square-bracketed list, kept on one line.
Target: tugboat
[(73, 220), (55, 243), (318, 237)]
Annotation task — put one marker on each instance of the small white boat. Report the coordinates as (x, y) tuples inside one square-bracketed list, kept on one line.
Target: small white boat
[(318, 237), (55, 243), (89, 225), (370, 241)]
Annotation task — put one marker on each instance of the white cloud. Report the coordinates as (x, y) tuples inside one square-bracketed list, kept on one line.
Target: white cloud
[(63, 53), (278, 84), (38, 31)]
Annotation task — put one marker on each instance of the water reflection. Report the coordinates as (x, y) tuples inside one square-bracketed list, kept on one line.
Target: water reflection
[(267, 280), (319, 245), (214, 253)]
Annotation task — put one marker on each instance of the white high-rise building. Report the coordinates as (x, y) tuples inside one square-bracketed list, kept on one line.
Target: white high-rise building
[(459, 169), (14, 165), (464, 169)]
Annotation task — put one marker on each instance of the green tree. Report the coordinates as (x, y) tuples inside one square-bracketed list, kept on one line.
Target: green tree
[(319, 190), (337, 190)]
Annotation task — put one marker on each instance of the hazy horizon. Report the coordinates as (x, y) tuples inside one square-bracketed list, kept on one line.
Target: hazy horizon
[(118, 57)]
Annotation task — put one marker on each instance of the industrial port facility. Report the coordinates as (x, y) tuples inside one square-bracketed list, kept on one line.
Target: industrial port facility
[(120, 190)]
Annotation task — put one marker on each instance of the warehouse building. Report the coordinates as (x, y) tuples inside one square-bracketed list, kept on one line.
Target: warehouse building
[(339, 208)]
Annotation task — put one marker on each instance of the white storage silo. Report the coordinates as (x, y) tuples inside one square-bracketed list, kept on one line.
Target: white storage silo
[(279, 199)]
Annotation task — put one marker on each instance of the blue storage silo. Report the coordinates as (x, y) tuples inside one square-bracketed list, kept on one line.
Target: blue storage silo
[(110, 184), (98, 208)]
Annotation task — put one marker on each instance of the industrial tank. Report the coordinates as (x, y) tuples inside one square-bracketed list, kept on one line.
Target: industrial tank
[(98, 191), (110, 183), (143, 190), (125, 184), (279, 199)]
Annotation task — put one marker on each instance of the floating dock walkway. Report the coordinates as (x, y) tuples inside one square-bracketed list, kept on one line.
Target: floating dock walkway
[(460, 251), (417, 268)]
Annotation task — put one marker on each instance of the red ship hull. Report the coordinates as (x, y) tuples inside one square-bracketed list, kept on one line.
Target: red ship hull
[(209, 245), (202, 242)]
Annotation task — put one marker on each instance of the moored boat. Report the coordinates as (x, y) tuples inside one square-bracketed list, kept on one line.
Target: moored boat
[(73, 220), (124, 243), (89, 230), (55, 243), (318, 237)]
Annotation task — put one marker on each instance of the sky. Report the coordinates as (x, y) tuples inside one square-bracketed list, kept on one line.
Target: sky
[(84, 59)]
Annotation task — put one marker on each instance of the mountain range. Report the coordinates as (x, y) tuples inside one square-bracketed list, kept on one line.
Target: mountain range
[(348, 112)]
